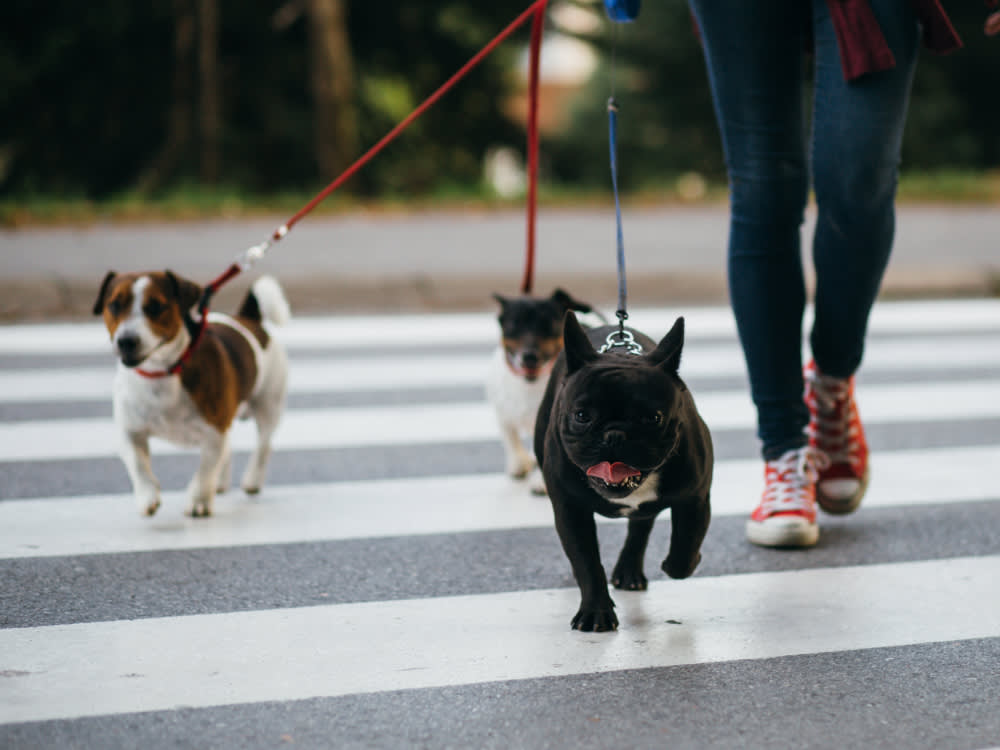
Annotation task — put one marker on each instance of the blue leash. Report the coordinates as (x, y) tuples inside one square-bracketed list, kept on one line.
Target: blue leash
[(620, 11), (613, 144)]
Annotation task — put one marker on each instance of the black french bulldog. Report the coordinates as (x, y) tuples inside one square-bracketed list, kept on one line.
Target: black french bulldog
[(618, 434)]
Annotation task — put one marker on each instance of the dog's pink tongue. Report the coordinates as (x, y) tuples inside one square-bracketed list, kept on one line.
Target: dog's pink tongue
[(613, 473)]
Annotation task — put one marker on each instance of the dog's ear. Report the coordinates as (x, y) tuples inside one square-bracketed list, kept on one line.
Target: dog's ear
[(668, 352), (579, 350), (502, 301), (99, 302), (563, 299), (186, 292)]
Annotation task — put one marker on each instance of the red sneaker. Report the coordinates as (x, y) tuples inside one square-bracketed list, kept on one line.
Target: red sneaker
[(786, 516), (835, 429)]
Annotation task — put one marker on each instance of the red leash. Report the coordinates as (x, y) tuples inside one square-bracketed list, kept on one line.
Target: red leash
[(536, 44), (535, 9), (536, 12)]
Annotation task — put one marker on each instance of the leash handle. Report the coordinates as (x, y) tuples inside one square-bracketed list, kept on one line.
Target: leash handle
[(613, 147)]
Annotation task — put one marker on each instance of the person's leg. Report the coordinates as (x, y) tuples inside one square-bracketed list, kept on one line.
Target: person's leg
[(754, 55), (857, 136)]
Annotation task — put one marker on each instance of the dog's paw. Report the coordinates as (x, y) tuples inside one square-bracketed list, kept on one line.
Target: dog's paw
[(595, 620), (521, 471), (251, 481), (200, 507), (225, 478), (628, 578), (537, 484), (224, 481), (520, 468), (148, 500), (680, 568)]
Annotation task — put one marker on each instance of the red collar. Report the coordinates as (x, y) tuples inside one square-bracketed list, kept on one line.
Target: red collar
[(185, 355)]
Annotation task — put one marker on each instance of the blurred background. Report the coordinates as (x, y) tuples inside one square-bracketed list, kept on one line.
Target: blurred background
[(217, 103)]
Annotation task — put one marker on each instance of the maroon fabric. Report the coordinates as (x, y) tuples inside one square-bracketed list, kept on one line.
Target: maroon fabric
[(863, 48), (939, 35)]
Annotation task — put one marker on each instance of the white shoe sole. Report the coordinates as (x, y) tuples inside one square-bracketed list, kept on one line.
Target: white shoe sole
[(841, 506), (783, 531)]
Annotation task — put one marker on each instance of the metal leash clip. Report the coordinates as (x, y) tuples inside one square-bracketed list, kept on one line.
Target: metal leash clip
[(252, 254), (621, 339)]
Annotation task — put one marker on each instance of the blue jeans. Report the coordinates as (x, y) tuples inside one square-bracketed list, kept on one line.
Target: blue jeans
[(755, 52)]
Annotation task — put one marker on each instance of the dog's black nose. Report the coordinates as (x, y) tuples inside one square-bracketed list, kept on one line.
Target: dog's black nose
[(614, 438), (530, 359), (128, 344)]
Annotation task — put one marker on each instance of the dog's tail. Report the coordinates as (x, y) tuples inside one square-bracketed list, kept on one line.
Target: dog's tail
[(266, 302)]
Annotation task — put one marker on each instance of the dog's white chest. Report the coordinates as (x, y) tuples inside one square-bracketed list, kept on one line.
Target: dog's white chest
[(159, 407), (514, 398), (644, 493)]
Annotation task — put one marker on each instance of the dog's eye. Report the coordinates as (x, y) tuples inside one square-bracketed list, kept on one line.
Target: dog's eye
[(153, 308), (655, 419), (582, 416), (114, 307)]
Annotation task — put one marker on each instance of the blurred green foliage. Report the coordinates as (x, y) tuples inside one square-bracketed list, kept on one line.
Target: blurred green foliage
[(85, 93), (666, 122), (85, 90)]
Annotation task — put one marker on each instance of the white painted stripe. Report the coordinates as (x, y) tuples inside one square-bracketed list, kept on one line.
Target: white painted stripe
[(362, 332), (306, 376), (928, 316), (443, 505), (300, 429), (53, 338), (433, 423), (326, 375), (68, 671), (382, 331)]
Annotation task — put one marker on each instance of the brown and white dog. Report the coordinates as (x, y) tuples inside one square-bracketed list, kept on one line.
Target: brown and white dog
[(185, 383)]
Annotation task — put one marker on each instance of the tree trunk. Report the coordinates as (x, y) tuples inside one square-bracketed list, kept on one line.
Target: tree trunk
[(210, 119), (333, 86), (178, 135)]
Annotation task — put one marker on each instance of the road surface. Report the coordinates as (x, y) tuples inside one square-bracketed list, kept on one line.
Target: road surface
[(391, 588)]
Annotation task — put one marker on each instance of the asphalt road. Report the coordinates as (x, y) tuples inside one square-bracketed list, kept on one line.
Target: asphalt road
[(391, 588), (400, 262)]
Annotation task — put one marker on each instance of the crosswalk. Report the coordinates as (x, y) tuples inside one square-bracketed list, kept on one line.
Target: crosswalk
[(391, 588)]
